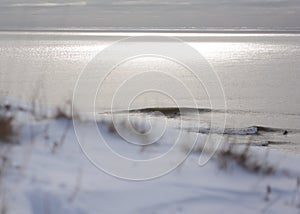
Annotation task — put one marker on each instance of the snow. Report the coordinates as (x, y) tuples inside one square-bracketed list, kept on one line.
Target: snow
[(48, 172)]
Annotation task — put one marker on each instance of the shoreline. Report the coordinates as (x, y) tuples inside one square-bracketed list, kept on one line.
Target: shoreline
[(156, 30)]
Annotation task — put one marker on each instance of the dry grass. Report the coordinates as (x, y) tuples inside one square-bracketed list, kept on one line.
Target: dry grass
[(4, 166), (243, 158), (6, 129), (61, 114)]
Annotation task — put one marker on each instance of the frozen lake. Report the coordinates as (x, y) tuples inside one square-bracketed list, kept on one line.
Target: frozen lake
[(259, 73)]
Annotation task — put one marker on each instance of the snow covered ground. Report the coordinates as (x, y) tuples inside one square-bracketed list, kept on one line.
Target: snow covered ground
[(45, 170)]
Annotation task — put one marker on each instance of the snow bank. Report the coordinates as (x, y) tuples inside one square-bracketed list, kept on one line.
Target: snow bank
[(47, 172)]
